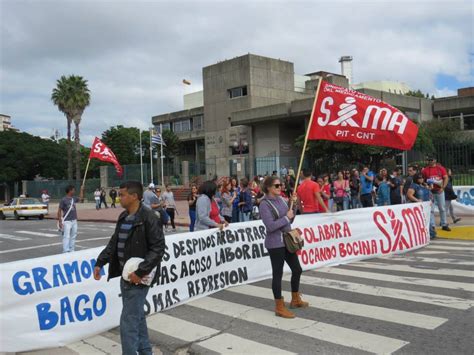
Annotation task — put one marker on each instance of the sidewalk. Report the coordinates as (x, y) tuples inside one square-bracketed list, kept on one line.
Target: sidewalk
[(86, 212)]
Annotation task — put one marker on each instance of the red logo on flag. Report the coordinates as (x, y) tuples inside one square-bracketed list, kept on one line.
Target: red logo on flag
[(100, 151), (345, 115)]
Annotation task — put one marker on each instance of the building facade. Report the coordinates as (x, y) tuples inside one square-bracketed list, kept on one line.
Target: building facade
[(252, 109)]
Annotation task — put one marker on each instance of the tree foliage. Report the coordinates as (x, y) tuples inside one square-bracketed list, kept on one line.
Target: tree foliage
[(71, 95), (23, 157)]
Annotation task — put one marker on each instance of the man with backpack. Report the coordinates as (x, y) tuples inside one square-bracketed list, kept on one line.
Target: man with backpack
[(67, 217)]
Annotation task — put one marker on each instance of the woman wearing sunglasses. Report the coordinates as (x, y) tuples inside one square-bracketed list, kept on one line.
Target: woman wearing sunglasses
[(277, 218)]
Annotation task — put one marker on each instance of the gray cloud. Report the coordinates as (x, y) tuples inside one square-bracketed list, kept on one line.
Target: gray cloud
[(135, 53)]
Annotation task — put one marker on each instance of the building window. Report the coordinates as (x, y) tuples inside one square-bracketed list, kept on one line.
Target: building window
[(166, 127), (237, 92), (198, 123), (182, 126)]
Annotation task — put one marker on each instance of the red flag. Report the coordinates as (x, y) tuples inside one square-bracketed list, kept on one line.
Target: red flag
[(100, 151), (345, 115)]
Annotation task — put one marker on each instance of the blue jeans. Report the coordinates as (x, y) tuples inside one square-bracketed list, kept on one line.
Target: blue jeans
[(441, 203), (244, 216), (235, 214), (133, 329), (97, 204), (69, 235), (432, 223), (355, 202), (192, 217)]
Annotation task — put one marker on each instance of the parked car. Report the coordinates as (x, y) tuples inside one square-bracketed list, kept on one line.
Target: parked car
[(24, 207)]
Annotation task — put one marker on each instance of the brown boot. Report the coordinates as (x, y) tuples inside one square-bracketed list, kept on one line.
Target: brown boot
[(281, 310), (297, 302)]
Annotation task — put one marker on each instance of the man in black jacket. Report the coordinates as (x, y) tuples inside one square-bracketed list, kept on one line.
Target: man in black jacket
[(139, 233)]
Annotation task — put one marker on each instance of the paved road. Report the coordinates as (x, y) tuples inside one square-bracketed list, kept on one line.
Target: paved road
[(25, 239), (418, 303)]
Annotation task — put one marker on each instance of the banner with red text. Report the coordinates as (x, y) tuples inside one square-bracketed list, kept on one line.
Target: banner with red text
[(53, 301), (346, 115)]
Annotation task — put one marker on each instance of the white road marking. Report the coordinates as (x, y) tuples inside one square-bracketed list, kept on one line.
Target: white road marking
[(356, 309), (400, 279), (13, 237), (415, 296), (307, 327), (430, 252), (451, 262), (48, 245), (446, 248), (48, 235), (81, 347), (408, 268), (100, 343)]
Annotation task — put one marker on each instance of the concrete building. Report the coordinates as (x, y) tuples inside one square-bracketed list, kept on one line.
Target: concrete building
[(393, 87), (6, 123), (253, 109)]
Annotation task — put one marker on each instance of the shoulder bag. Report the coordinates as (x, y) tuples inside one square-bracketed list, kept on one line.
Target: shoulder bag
[(293, 239)]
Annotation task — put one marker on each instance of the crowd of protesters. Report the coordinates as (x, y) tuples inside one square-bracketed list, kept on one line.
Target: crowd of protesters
[(226, 200)]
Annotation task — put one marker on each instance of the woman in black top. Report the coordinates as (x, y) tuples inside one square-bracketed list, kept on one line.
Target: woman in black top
[(192, 198)]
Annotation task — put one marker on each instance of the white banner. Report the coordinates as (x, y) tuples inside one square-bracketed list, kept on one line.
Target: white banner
[(464, 205), (53, 301)]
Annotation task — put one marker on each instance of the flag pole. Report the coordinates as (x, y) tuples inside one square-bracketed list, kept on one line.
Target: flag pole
[(141, 155), (306, 139), (85, 174), (151, 155), (161, 156)]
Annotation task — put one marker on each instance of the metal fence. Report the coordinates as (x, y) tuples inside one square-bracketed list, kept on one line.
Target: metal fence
[(459, 157), (57, 188)]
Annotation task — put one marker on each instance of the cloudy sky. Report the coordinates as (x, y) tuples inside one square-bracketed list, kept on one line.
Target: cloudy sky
[(135, 54)]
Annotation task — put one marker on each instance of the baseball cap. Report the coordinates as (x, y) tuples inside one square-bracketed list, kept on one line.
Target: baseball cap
[(151, 186)]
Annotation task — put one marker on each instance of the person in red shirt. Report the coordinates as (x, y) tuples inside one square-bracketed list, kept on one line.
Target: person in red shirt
[(437, 177), (325, 194), (309, 195)]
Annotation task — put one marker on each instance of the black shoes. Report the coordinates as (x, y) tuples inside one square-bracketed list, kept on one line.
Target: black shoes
[(457, 220), (446, 228)]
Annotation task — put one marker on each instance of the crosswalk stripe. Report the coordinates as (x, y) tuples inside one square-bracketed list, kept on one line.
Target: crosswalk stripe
[(178, 328), (408, 268), (48, 235), (192, 332), (307, 327), (446, 248), (103, 344), (399, 279), (13, 237), (355, 309), (415, 296), (451, 262), (430, 252), (81, 347), (230, 344), (452, 242)]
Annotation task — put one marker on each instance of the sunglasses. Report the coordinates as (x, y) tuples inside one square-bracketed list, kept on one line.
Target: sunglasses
[(277, 186)]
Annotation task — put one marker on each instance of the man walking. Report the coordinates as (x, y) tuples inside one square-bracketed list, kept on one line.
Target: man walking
[(436, 176), (113, 196), (139, 233), (67, 217), (412, 170)]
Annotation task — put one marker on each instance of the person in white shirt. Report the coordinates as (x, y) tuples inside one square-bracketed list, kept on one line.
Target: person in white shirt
[(45, 198), (97, 198), (170, 204)]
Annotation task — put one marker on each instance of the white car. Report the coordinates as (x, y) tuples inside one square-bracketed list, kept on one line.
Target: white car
[(24, 207)]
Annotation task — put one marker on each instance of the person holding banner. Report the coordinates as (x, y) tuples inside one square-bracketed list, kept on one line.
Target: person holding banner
[(277, 218), (419, 191), (138, 234)]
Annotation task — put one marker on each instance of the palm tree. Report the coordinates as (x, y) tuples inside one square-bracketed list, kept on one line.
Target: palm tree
[(72, 96)]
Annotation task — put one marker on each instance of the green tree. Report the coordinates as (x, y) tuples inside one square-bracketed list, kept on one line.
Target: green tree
[(72, 96), (172, 147), (417, 93), (23, 157), (125, 143)]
